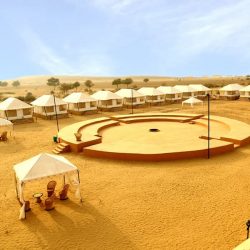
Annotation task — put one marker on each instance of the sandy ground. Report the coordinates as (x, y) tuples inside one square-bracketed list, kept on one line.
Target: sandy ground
[(183, 204)]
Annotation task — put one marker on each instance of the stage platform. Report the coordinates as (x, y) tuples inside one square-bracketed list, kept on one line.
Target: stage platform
[(156, 136)]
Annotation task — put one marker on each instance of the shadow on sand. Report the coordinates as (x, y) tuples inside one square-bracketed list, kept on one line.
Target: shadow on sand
[(89, 230)]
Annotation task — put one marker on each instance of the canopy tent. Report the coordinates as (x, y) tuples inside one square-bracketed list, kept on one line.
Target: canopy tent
[(15, 109), (186, 90), (232, 87), (202, 90), (48, 105), (192, 101), (152, 95), (171, 93), (131, 96), (78, 101), (47, 101), (78, 97), (42, 166), (107, 99), (245, 92), (104, 95), (6, 125), (231, 91)]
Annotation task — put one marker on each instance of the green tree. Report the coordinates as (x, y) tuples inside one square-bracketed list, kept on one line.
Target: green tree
[(3, 84), (146, 80), (89, 84), (53, 82), (127, 81), (76, 85), (117, 82), (15, 83), (29, 97), (65, 87)]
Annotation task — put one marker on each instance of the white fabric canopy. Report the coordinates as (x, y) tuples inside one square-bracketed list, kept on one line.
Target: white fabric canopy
[(192, 101), (232, 87), (78, 97), (41, 166), (129, 93), (5, 125), (105, 95), (13, 103), (148, 91), (47, 101), (168, 90), (185, 88), (247, 88), (199, 87)]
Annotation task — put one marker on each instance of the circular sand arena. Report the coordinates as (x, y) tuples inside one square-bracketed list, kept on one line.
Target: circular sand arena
[(156, 136)]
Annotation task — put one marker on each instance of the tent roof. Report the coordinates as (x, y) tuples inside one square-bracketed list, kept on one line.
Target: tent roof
[(13, 103), (247, 88), (192, 100), (232, 87), (78, 97), (199, 87), (184, 88), (42, 165), (47, 100), (5, 123), (128, 93), (103, 95), (148, 91), (168, 90)]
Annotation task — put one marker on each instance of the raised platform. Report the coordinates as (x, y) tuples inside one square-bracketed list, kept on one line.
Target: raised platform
[(173, 136)]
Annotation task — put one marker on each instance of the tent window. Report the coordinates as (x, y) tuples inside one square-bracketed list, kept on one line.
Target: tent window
[(62, 107), (107, 102), (92, 104), (49, 109), (27, 112), (11, 113), (119, 101), (82, 105)]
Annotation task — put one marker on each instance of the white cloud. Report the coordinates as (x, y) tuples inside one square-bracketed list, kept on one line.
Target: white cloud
[(84, 62)]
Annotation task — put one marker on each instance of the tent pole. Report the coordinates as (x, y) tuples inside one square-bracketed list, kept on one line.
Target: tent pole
[(56, 113), (79, 184), (16, 187), (63, 179), (6, 114)]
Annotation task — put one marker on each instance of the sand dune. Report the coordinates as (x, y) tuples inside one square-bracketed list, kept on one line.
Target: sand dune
[(186, 204)]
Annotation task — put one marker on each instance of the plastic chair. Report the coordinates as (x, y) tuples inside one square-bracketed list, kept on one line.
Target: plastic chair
[(64, 192), (51, 188), (49, 204), (3, 136)]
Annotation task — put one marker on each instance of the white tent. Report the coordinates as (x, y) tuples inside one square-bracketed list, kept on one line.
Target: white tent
[(44, 106), (192, 101), (42, 166), (186, 90), (80, 102), (14, 109), (245, 93), (5, 125), (171, 93), (107, 99), (202, 90), (131, 96), (231, 91), (152, 95)]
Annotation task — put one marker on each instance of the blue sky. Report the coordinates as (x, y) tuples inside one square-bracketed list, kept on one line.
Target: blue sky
[(124, 37)]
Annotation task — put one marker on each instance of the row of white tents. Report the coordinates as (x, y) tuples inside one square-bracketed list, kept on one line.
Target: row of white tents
[(48, 105)]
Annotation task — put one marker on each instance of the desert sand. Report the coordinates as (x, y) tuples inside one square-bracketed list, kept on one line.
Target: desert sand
[(181, 204)]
